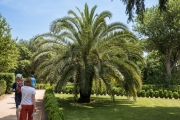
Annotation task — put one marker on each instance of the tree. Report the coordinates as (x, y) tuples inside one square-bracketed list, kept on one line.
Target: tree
[(24, 59), (85, 48), (162, 30), (139, 7), (154, 72), (8, 50)]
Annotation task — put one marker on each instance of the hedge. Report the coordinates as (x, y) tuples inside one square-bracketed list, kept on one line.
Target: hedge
[(2, 87), (52, 106), (9, 78)]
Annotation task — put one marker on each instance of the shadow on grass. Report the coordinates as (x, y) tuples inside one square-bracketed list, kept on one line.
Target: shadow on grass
[(101, 108)]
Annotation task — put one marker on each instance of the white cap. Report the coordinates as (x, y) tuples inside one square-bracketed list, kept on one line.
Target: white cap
[(19, 76)]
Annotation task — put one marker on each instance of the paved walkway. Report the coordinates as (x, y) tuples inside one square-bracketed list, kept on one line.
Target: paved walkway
[(8, 110)]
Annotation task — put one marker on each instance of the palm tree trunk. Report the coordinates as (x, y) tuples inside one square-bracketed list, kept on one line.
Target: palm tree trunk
[(84, 98)]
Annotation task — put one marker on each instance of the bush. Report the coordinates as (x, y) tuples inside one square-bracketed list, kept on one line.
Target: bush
[(42, 86), (170, 94), (165, 94), (9, 78), (175, 95), (151, 93), (52, 106), (156, 93), (121, 91), (139, 93), (147, 94), (161, 93), (2, 87), (143, 93)]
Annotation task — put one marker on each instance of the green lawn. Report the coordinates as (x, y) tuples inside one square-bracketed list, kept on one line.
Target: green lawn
[(101, 108)]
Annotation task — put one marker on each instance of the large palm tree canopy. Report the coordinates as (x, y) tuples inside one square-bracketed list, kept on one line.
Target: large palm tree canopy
[(90, 49)]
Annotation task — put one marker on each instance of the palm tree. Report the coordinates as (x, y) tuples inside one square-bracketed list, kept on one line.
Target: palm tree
[(91, 50)]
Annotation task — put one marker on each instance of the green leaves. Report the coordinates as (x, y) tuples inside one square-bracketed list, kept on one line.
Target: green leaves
[(8, 50), (96, 51), (160, 31)]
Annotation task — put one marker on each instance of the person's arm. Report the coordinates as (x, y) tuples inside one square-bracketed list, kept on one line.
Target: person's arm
[(34, 102), (12, 87)]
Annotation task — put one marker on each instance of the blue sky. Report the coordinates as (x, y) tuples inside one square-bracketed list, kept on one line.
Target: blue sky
[(28, 18)]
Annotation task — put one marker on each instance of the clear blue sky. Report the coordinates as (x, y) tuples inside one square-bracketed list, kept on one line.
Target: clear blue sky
[(28, 18)]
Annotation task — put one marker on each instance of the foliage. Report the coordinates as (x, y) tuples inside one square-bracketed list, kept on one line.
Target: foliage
[(156, 93), (160, 29), (51, 106), (8, 50), (166, 94), (175, 95), (161, 93), (42, 86), (2, 86), (9, 78), (139, 7), (170, 94), (91, 50), (154, 71), (24, 60), (151, 93)]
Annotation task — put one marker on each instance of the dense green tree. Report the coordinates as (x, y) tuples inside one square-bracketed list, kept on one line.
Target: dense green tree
[(85, 48), (154, 72), (24, 60), (8, 51), (162, 30)]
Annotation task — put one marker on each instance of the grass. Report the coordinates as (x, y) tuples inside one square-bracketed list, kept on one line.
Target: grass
[(101, 108)]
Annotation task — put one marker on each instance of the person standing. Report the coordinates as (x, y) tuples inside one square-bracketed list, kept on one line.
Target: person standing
[(33, 81), (16, 87), (28, 102)]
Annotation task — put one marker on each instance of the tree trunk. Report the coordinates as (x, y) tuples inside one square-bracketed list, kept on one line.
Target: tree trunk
[(168, 72), (84, 98)]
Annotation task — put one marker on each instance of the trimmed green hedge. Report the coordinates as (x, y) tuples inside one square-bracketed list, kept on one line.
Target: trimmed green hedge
[(9, 78), (42, 86), (2, 87), (52, 106)]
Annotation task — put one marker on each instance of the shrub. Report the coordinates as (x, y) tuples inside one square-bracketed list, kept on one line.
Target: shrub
[(161, 93), (143, 93), (151, 93), (147, 94), (156, 93), (9, 78), (121, 91), (42, 86), (2, 87), (139, 93), (52, 106), (165, 94), (170, 94), (175, 95)]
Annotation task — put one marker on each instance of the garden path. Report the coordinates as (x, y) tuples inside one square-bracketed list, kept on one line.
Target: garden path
[(8, 110)]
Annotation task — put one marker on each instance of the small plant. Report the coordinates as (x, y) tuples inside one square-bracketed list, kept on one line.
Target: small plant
[(151, 93), (139, 93), (156, 94), (175, 95), (147, 94), (143, 93), (161, 93), (170, 94), (165, 94)]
